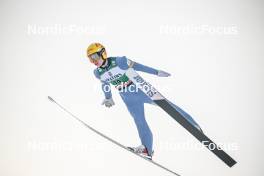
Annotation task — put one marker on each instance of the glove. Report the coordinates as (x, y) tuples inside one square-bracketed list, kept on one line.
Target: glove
[(163, 74), (108, 102)]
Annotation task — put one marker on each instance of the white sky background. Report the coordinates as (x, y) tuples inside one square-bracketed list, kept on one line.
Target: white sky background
[(216, 76)]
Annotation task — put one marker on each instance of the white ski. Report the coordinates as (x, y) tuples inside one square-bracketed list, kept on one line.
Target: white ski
[(110, 139)]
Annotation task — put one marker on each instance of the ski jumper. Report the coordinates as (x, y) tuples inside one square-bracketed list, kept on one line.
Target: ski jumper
[(114, 73)]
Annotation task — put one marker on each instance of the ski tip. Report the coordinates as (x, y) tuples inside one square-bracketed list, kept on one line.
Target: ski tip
[(51, 99)]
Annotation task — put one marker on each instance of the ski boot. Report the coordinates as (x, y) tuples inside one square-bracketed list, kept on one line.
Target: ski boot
[(142, 151)]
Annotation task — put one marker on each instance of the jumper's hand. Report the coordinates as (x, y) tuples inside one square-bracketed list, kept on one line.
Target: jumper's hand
[(163, 74), (108, 102)]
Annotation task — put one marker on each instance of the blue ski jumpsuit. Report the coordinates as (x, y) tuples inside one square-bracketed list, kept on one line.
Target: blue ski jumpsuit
[(114, 73)]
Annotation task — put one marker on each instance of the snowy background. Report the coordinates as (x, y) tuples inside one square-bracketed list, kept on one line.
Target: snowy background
[(213, 49)]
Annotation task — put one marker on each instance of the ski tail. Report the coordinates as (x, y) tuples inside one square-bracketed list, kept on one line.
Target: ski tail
[(164, 104), (161, 101)]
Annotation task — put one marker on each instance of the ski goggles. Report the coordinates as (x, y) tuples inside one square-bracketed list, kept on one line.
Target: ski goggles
[(96, 56)]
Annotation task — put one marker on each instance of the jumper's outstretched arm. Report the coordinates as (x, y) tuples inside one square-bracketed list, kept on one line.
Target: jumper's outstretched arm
[(143, 68), (125, 63)]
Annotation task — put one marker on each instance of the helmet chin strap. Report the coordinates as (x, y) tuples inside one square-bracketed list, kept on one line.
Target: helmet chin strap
[(105, 63)]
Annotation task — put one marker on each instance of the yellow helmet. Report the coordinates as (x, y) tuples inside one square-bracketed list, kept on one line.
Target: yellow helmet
[(95, 51)]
